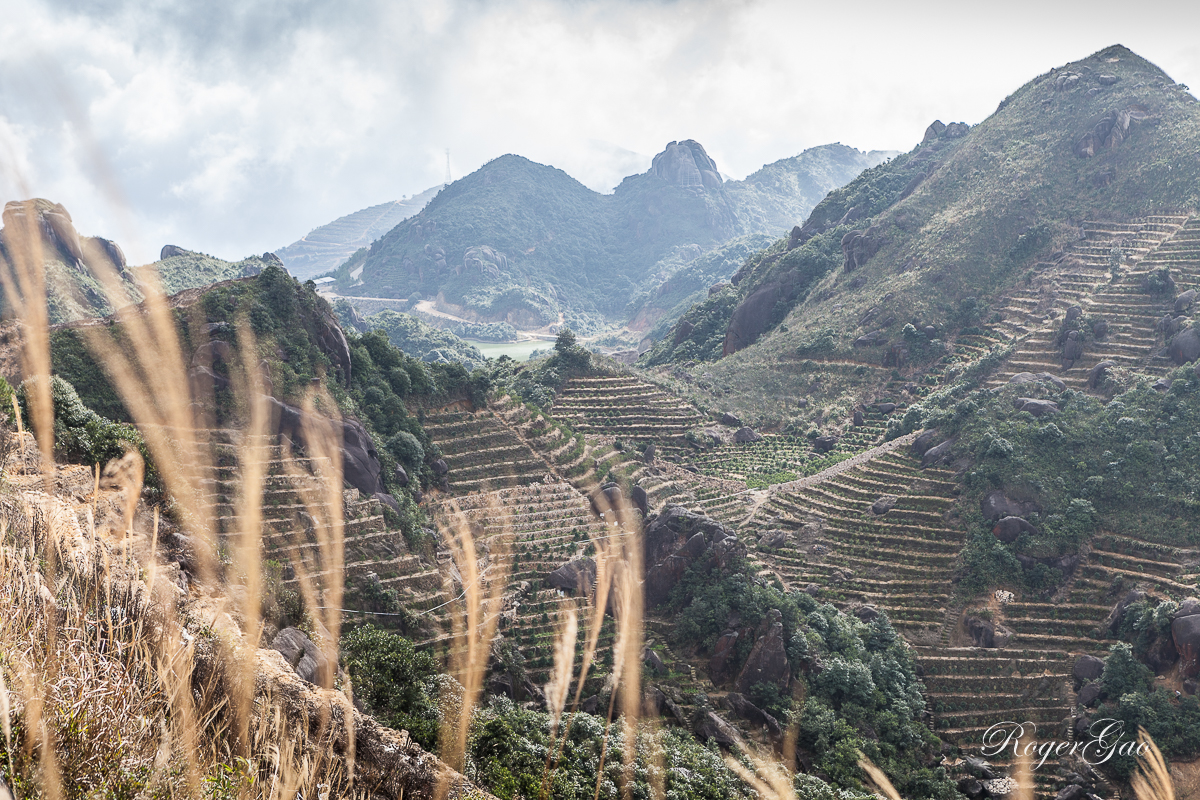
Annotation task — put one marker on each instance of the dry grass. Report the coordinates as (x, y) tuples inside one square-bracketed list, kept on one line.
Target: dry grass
[(1152, 781)]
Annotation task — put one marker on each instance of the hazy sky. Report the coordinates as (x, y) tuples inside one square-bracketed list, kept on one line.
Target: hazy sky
[(235, 126)]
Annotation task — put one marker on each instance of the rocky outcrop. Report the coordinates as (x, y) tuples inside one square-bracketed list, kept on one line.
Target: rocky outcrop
[(997, 504), (744, 709), (747, 435), (1185, 633), (708, 726), (1030, 377), (1007, 529), (675, 540), (884, 504), (1109, 131), (332, 341), (303, 656), (859, 246), (171, 251), (54, 236), (360, 462), (686, 164), (720, 666), (1088, 668), (1185, 346), (768, 661), (1036, 407), (751, 318), (575, 577)]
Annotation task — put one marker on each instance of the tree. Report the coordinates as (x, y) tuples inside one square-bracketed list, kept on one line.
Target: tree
[(566, 341)]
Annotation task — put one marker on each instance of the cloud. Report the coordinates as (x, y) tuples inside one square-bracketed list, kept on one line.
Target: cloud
[(235, 126)]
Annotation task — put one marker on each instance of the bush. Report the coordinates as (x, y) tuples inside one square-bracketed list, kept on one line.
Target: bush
[(394, 681)]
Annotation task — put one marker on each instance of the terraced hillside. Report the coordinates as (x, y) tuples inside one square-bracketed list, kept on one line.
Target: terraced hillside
[(1104, 275), (627, 408), (483, 452)]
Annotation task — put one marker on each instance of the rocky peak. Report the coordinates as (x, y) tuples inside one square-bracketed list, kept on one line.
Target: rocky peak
[(686, 164)]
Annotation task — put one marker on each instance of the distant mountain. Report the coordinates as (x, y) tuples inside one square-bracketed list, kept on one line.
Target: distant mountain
[(328, 246), (993, 230), (527, 244)]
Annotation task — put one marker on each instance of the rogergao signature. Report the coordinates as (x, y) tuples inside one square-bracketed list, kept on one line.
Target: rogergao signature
[(1105, 738)]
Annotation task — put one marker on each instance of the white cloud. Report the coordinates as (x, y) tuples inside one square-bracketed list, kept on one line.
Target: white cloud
[(235, 126)]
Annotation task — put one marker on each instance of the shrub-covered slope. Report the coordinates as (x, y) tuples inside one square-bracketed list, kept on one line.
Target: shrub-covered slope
[(932, 237), (519, 242)]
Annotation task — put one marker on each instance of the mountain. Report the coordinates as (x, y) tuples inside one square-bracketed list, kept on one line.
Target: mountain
[(939, 238), (324, 248), (524, 243), (39, 232)]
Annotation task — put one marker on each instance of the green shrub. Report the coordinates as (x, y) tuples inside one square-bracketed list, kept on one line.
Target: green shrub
[(396, 682)]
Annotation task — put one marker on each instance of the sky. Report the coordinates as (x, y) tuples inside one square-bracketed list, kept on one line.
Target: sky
[(235, 126)]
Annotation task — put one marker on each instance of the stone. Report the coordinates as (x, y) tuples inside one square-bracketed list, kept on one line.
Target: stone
[(884, 504), (858, 418), (1097, 373), (171, 251), (677, 538), (1185, 346), (576, 577), (1088, 668), (933, 131), (653, 662), (439, 466), (1007, 529), (686, 164), (1187, 608), (360, 461), (924, 442), (743, 708), (729, 419), (640, 500), (401, 476), (1036, 407), (1185, 633), (1073, 792), (1103, 80), (979, 768), (1162, 385), (105, 252), (823, 444), (768, 661), (682, 331), (747, 435), (1185, 301), (723, 651), (885, 408), (859, 246), (997, 504), (1113, 622), (1072, 347), (1089, 694), (708, 726), (383, 498), (867, 613), (773, 540), (303, 655), (971, 787), (591, 705), (941, 454), (750, 318), (650, 454), (1100, 329), (981, 631)]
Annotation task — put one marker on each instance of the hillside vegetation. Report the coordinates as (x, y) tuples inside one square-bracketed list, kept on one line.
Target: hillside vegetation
[(520, 242)]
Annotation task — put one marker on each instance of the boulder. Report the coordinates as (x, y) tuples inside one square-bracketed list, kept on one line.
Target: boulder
[(867, 613), (682, 331), (576, 577), (933, 131), (1185, 346), (979, 768), (1185, 301), (401, 476), (640, 500), (773, 540), (439, 466), (1072, 347), (103, 252), (653, 662), (1103, 80), (383, 498), (858, 418), (360, 462), (982, 632), (768, 661), (1007, 529), (923, 442), (649, 455), (1097, 373), (1089, 694), (1088, 668), (303, 655), (1162, 385), (1100, 330), (1187, 608), (674, 540), (750, 318), (884, 504), (970, 787), (747, 435), (997, 504), (744, 709), (1113, 622), (729, 419), (1036, 407), (935, 456), (1161, 654), (709, 727), (1185, 633), (1073, 792), (859, 246), (885, 408), (823, 444), (719, 666)]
